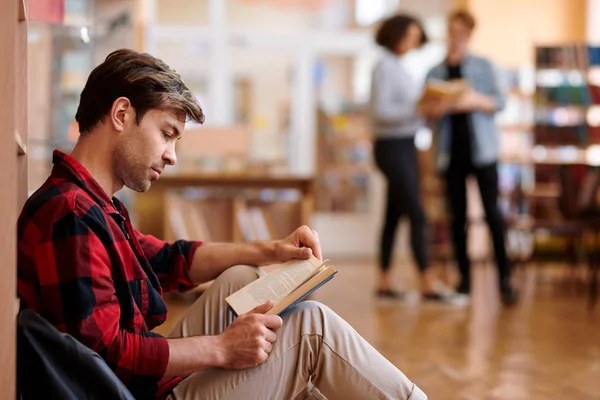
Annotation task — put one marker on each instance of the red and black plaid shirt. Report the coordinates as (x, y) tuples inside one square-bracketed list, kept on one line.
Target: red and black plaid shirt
[(83, 267)]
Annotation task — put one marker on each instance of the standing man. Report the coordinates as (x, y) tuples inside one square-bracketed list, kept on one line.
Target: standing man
[(468, 144)]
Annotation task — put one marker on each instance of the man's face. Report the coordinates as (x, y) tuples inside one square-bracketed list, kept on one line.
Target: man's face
[(458, 37), (144, 150)]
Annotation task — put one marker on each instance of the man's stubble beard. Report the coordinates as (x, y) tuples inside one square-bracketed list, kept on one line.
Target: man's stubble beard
[(128, 170)]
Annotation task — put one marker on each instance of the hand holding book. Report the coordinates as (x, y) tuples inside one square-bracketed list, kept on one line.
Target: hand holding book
[(287, 285), (441, 97), (247, 342), (301, 244)]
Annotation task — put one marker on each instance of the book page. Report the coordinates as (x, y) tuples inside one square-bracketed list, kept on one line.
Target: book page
[(281, 282), (274, 286)]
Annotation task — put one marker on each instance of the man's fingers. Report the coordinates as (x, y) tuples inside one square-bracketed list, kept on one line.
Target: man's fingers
[(263, 357), (310, 239), (268, 347), (318, 246), (269, 335), (273, 322)]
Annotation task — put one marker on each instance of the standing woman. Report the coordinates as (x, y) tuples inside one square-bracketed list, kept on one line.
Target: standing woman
[(393, 107)]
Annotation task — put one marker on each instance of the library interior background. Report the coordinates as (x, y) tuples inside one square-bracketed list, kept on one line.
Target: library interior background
[(287, 89)]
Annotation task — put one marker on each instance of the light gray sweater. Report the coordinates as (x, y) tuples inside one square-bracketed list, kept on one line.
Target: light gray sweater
[(394, 96)]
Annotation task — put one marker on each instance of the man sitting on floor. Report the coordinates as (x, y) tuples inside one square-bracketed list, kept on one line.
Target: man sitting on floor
[(84, 268)]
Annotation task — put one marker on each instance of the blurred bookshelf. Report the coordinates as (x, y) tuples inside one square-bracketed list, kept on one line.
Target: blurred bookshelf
[(230, 215), (344, 161), (516, 125), (560, 121), (64, 44), (542, 178)]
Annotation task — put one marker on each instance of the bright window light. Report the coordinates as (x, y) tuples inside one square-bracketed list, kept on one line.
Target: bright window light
[(539, 153), (550, 78), (593, 116), (423, 139), (594, 76), (370, 11), (568, 153), (85, 35), (592, 155)]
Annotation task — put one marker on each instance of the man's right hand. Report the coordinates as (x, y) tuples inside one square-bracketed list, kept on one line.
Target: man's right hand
[(247, 342)]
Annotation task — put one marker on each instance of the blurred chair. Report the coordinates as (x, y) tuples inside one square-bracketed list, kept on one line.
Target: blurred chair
[(578, 223)]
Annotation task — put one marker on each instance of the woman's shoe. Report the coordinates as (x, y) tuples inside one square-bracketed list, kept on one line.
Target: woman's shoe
[(448, 297), (389, 294), (509, 296)]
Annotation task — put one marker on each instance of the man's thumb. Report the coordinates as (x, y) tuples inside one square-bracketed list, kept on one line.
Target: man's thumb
[(263, 308)]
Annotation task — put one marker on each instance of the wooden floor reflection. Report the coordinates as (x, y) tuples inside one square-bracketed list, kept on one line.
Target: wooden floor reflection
[(547, 347)]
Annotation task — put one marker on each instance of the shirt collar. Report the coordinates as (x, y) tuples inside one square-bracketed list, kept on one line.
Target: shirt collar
[(69, 168), (466, 59)]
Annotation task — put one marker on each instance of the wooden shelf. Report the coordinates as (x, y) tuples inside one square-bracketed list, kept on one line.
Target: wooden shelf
[(13, 174), (21, 146), (544, 190), (22, 10), (515, 160), (521, 94), (515, 127), (574, 106), (552, 67)]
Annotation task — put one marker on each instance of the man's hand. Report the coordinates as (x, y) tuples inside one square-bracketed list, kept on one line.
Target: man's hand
[(211, 259), (473, 101), (434, 109), (247, 342), (299, 245)]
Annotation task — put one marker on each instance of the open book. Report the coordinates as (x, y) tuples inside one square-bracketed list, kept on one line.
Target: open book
[(287, 285), (437, 89)]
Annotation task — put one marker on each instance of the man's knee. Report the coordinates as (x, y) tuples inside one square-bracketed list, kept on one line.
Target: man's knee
[(313, 316), (239, 274), (312, 307)]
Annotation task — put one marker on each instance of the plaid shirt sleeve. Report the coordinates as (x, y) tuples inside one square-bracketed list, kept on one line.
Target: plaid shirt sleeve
[(171, 262), (78, 296)]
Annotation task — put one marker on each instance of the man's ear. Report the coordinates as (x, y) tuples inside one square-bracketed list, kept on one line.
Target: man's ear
[(120, 113)]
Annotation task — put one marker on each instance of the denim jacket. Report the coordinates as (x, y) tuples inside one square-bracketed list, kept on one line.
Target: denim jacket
[(481, 75)]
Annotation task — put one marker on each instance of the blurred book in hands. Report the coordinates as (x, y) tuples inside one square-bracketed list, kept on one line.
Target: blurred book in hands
[(437, 89)]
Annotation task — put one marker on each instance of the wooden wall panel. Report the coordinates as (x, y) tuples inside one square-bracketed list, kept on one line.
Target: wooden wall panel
[(508, 31), (8, 205)]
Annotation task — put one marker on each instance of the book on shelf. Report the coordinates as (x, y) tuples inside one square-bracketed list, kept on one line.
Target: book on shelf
[(252, 222), (286, 285), (198, 225), (177, 224), (261, 226), (186, 220)]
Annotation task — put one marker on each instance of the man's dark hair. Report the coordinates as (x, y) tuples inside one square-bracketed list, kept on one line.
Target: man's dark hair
[(392, 31), (464, 17), (146, 81)]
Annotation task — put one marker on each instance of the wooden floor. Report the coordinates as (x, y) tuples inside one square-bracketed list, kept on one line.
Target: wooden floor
[(548, 347)]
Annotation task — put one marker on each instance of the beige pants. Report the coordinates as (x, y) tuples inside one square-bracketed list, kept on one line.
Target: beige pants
[(317, 355)]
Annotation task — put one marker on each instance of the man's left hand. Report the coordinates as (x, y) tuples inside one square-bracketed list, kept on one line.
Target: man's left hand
[(474, 101), (299, 245)]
